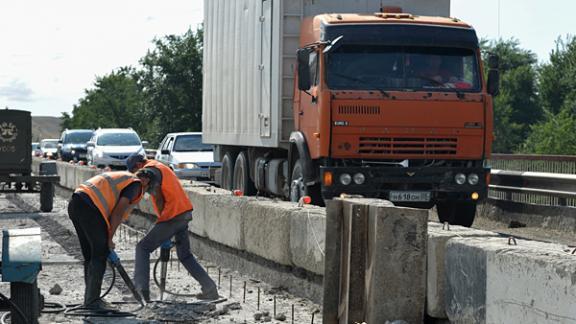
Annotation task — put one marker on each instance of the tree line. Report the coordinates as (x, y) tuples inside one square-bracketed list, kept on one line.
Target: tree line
[(534, 113), (162, 94)]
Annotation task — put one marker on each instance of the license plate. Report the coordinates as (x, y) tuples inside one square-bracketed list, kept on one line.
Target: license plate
[(417, 196)]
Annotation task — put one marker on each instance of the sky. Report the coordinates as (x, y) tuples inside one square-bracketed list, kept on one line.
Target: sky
[(53, 50)]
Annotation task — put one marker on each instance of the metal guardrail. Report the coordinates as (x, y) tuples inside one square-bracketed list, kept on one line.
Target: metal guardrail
[(541, 188), (565, 164)]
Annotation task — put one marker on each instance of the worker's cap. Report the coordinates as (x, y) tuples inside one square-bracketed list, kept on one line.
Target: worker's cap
[(133, 160)]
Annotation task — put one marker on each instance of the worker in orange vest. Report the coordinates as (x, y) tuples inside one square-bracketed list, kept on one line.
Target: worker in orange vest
[(174, 211), (97, 207)]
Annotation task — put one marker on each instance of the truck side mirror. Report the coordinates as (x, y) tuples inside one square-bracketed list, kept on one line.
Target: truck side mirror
[(304, 82), (493, 75)]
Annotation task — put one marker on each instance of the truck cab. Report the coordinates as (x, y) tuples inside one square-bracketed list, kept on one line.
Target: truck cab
[(394, 106)]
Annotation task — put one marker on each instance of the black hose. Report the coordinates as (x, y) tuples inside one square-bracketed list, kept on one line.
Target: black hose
[(53, 308), (166, 290), (18, 310), (112, 283)]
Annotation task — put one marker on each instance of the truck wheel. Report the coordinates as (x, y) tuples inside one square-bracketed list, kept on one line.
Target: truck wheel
[(298, 188), (26, 297), (242, 179), (456, 213), (47, 197), (227, 170)]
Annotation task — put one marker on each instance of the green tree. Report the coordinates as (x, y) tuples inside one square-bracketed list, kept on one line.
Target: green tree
[(171, 82), (516, 108), (114, 101), (557, 133), (554, 136), (558, 77)]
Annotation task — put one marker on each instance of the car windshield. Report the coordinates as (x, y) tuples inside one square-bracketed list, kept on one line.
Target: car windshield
[(77, 137), (377, 67), (49, 144), (118, 139), (191, 143)]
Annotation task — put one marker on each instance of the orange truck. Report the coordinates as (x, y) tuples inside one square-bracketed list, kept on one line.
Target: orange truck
[(377, 100)]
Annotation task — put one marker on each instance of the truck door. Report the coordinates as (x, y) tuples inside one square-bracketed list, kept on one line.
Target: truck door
[(265, 67)]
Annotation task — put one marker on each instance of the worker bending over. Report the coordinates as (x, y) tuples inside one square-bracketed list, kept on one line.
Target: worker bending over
[(97, 208), (174, 211)]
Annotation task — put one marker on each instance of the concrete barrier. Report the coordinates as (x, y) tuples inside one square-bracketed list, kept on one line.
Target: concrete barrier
[(307, 236), (491, 281), (438, 237), (471, 276)]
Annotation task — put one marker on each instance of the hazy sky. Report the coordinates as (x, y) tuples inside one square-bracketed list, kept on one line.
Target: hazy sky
[(53, 50)]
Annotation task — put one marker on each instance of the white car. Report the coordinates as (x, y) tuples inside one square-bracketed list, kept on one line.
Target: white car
[(49, 148), (188, 156), (112, 146)]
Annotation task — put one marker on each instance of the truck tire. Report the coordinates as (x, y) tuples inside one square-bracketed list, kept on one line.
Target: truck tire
[(47, 197), (26, 297), (456, 212), (227, 172), (241, 177), (298, 188)]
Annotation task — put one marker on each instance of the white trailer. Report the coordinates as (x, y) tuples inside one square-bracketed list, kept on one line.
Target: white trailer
[(249, 61)]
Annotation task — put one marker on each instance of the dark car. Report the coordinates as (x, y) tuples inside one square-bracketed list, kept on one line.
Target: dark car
[(73, 144)]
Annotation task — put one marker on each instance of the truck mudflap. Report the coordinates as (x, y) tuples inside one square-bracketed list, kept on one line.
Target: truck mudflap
[(421, 185)]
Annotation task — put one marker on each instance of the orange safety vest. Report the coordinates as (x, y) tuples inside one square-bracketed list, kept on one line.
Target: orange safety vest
[(176, 201), (104, 191)]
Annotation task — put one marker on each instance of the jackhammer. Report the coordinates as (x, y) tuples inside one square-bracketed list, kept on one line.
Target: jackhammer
[(114, 261)]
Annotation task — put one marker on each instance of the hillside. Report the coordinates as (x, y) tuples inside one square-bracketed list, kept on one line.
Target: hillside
[(45, 127)]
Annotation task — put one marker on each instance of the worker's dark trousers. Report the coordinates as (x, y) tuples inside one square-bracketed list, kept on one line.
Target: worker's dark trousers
[(93, 235)]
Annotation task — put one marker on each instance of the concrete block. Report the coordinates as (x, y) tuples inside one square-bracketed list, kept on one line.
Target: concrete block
[(267, 229), (307, 236), (70, 171), (396, 264), (490, 281), (436, 276), (223, 219), (61, 167)]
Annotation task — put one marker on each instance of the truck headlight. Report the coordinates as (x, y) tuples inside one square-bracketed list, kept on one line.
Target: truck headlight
[(345, 179), (460, 178), (473, 179), (359, 178), (186, 166)]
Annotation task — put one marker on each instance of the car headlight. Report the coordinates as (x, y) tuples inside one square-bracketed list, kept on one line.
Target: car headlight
[(141, 151), (345, 179), (73, 152), (186, 166), (460, 178), (473, 179), (359, 178)]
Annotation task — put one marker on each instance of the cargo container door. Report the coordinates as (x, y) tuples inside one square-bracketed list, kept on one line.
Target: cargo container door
[(265, 67)]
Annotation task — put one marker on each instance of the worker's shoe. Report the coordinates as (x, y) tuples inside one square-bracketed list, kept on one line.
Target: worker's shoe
[(208, 295), (100, 304)]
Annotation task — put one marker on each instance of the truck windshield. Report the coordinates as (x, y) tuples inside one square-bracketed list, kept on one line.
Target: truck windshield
[(119, 139), (190, 143), (361, 67)]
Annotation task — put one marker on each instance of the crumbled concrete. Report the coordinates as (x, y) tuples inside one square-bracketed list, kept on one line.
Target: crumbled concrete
[(55, 290)]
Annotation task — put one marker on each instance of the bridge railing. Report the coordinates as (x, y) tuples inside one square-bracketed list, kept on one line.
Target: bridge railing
[(548, 180)]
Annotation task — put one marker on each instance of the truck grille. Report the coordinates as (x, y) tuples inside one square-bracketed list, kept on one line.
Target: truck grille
[(358, 110), (408, 145)]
